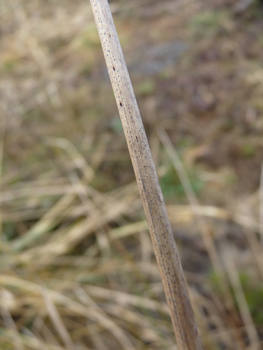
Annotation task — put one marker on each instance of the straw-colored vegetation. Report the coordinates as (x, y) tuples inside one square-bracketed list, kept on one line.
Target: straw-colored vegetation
[(77, 264)]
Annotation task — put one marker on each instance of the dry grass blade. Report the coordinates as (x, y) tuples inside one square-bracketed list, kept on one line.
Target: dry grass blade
[(57, 321), (9, 322), (62, 243), (77, 158), (3, 126), (90, 310), (200, 221), (127, 299), (261, 205), (201, 224), (148, 183), (100, 316), (241, 300), (256, 250), (49, 220)]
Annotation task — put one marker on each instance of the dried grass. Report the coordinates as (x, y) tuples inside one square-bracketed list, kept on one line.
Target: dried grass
[(77, 266)]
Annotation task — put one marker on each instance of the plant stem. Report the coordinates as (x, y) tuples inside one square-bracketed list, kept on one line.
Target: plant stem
[(159, 226)]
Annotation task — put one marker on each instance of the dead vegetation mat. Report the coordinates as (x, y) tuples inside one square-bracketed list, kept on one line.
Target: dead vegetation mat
[(77, 264)]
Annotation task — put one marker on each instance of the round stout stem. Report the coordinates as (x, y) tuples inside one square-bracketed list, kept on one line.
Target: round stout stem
[(159, 226)]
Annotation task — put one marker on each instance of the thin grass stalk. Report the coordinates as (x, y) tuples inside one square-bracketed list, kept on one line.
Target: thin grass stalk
[(3, 128), (10, 324), (159, 226), (241, 300), (261, 206), (194, 204)]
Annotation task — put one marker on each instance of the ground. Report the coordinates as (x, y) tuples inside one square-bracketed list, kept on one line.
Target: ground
[(77, 264)]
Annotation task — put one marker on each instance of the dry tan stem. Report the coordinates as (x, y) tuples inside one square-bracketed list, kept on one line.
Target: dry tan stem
[(261, 206), (241, 300), (3, 128), (159, 226)]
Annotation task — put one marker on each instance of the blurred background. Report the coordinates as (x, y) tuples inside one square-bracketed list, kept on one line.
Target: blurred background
[(77, 264)]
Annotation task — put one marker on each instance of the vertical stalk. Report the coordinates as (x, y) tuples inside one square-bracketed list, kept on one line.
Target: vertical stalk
[(159, 226)]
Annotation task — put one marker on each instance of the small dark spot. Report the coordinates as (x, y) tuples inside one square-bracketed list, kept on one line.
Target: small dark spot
[(120, 104), (114, 68)]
